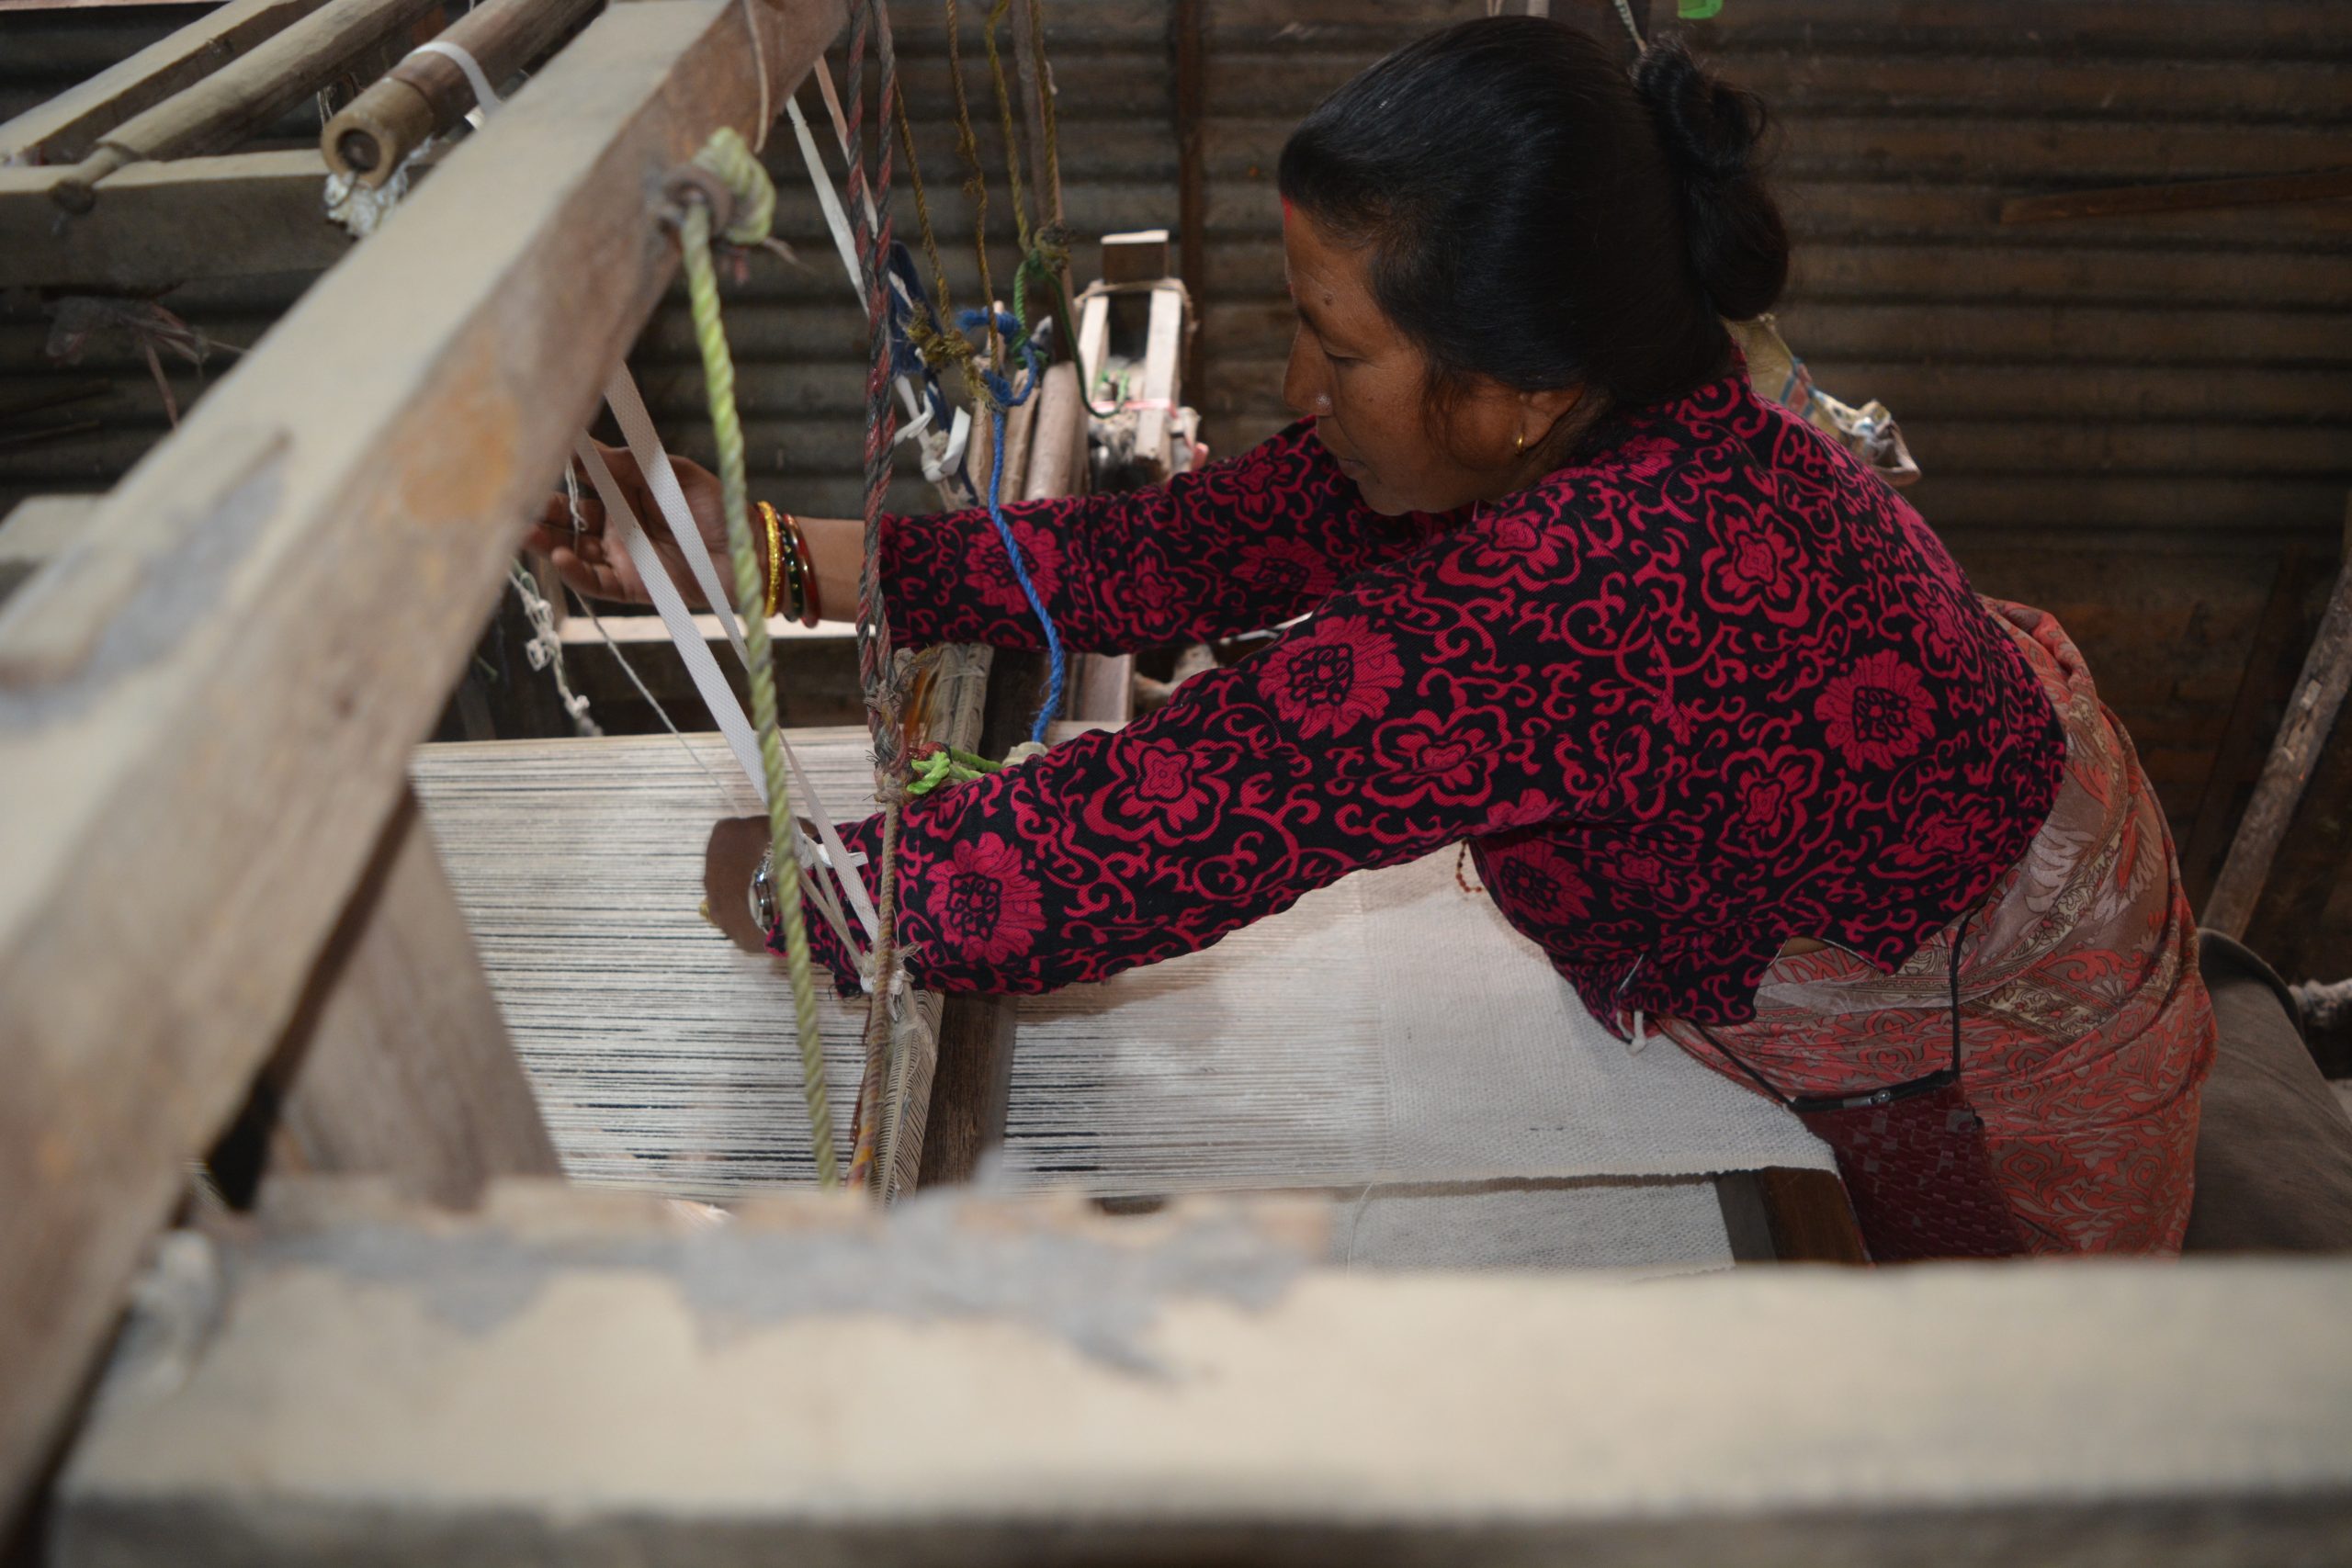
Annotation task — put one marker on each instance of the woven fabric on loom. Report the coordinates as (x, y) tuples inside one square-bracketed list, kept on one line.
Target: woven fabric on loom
[(1388, 1029)]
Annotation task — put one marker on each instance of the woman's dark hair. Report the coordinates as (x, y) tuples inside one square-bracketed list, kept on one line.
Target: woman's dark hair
[(1539, 216)]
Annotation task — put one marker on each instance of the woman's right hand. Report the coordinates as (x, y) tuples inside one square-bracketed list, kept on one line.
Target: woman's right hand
[(590, 560)]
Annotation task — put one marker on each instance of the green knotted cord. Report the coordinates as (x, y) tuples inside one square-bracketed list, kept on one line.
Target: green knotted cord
[(727, 157)]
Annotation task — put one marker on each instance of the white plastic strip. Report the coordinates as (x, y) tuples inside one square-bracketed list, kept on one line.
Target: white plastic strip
[(653, 461), (828, 200), (485, 97), (845, 865), (717, 694)]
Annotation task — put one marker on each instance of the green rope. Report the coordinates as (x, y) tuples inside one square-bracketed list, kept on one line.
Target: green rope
[(943, 765), (727, 157)]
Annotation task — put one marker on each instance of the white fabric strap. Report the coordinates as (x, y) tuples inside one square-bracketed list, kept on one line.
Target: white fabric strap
[(653, 461), (485, 97)]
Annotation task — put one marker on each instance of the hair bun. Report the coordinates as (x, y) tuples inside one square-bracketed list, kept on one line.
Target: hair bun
[(1710, 127), (1711, 132)]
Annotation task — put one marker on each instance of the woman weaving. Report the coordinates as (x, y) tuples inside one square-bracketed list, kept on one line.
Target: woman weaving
[(1723, 725)]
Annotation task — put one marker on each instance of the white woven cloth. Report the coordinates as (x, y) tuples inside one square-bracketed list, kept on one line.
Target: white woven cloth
[(1391, 1029)]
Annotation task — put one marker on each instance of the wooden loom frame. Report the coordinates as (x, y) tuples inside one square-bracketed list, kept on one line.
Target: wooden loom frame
[(211, 874), (183, 714)]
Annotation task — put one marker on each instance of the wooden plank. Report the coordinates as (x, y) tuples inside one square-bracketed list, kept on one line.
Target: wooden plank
[(165, 223), (183, 709), (1163, 354), (397, 1062), (67, 125), (1094, 335), (587, 1379), (2195, 195)]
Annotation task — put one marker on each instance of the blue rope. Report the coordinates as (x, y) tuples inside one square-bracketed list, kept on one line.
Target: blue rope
[(1006, 398)]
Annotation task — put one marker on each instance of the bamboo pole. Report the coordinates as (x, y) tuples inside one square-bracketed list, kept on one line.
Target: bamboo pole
[(426, 93), (243, 96)]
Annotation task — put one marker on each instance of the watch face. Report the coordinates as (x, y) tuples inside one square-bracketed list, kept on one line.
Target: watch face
[(762, 899)]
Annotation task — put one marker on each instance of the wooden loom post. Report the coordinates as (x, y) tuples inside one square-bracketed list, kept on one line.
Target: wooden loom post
[(2319, 694), (397, 1062), (970, 1090), (197, 758)]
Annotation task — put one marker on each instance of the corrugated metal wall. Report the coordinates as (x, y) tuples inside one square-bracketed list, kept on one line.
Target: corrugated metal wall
[(2130, 420), (2141, 423)]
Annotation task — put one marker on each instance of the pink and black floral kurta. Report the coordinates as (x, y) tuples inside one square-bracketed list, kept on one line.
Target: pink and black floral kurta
[(1711, 686)]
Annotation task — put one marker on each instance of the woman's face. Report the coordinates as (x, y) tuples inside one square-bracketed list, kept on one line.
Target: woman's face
[(1366, 383)]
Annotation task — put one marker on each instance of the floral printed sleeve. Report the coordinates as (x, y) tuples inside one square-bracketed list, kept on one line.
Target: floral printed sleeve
[(1712, 686), (1241, 545), (1386, 725)]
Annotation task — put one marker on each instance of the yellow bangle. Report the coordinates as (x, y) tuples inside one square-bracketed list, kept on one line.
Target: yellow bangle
[(775, 556)]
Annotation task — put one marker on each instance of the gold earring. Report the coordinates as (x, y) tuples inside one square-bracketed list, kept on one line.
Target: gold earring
[(1519, 444)]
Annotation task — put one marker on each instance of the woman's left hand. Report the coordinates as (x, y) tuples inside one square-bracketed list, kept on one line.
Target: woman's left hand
[(590, 560)]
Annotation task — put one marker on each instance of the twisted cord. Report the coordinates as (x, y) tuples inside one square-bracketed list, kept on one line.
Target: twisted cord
[(1046, 111), (885, 697), (726, 156), (1005, 397), (1005, 115), (922, 218), (975, 180)]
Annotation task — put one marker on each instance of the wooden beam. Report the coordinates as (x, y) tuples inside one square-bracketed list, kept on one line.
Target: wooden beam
[(397, 1062), (196, 755), (1163, 349), (2268, 674), (167, 223), (587, 1379), (65, 127), (956, 677), (1785, 1215), (2311, 715), (244, 95), (2188, 196)]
